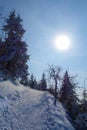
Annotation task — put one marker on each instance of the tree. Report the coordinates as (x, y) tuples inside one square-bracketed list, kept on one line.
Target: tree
[(81, 119), (33, 82), (13, 53), (54, 74), (67, 91), (43, 83), (25, 80), (67, 94), (84, 95), (83, 105)]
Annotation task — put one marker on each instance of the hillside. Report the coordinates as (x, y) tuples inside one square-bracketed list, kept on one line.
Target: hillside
[(26, 109)]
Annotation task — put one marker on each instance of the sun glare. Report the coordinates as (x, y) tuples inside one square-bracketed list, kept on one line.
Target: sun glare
[(62, 42)]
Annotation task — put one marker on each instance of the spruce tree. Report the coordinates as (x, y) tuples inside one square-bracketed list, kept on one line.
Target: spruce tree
[(13, 54), (43, 83), (84, 95), (25, 80), (67, 91), (32, 81), (67, 94)]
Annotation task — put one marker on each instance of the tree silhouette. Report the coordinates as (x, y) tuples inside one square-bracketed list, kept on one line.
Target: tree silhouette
[(13, 52), (54, 74)]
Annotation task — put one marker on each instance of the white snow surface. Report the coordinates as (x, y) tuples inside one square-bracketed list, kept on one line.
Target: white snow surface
[(22, 108)]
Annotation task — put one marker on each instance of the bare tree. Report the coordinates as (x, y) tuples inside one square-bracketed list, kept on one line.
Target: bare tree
[(54, 74)]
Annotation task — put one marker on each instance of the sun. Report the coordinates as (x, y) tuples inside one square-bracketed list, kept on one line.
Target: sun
[(62, 42)]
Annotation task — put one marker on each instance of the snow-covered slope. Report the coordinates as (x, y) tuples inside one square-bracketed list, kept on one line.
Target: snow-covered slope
[(26, 109)]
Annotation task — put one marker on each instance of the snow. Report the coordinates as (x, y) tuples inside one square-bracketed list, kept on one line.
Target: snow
[(23, 108)]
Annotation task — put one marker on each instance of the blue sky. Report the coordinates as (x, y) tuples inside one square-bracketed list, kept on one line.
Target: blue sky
[(43, 20)]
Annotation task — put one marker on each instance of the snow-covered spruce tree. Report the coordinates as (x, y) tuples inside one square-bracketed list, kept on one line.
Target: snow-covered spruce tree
[(67, 95), (13, 54), (43, 83)]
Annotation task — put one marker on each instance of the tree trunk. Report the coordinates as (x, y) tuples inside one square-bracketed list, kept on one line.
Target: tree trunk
[(55, 92)]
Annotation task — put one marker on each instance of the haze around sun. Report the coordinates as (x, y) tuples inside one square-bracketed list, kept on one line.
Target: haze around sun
[(62, 42)]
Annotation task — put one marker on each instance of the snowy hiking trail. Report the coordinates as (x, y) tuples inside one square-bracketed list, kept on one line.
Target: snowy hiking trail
[(26, 109)]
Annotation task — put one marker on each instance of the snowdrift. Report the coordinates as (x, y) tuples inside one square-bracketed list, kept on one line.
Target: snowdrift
[(22, 108)]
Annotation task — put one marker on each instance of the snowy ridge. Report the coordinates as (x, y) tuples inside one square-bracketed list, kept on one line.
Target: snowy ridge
[(26, 109)]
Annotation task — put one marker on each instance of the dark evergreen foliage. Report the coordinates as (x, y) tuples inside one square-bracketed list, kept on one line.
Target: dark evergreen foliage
[(13, 56), (84, 95), (81, 118), (67, 91), (32, 82), (43, 83), (68, 96), (25, 80)]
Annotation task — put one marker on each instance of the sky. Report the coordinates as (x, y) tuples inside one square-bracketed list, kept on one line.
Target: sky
[(45, 19)]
